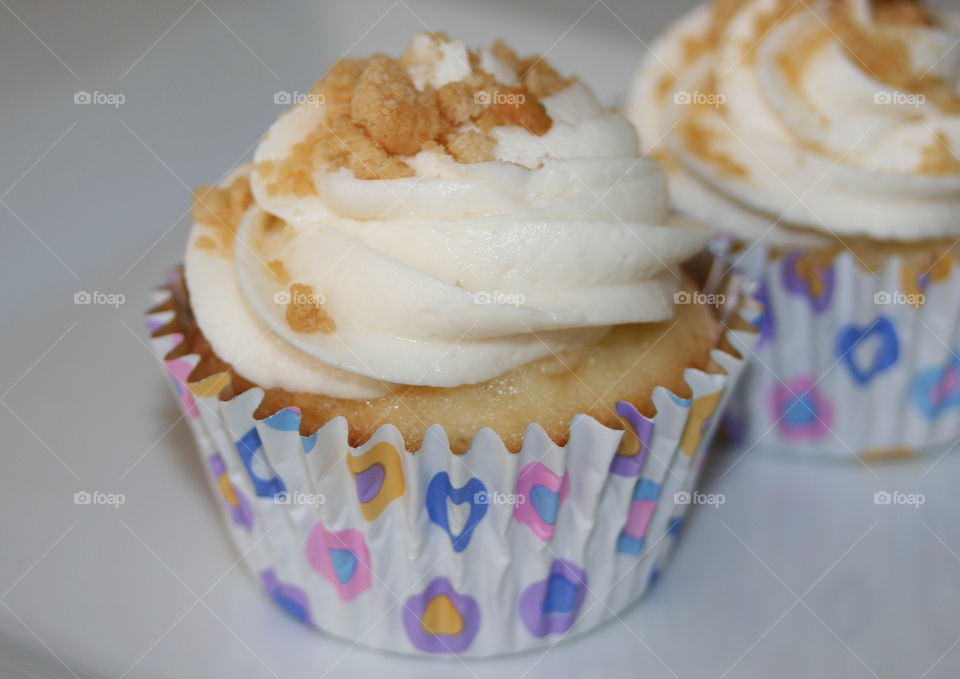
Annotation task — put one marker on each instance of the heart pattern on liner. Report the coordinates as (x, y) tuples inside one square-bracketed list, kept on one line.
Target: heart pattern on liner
[(539, 494), (936, 390), (801, 411), (378, 478), (341, 558), (473, 492), (853, 341), (266, 482)]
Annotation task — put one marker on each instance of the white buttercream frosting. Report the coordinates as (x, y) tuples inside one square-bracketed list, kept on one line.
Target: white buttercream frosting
[(457, 274), (805, 138)]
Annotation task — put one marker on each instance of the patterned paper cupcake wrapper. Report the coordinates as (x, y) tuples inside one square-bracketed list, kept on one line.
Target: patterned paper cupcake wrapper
[(478, 554), (850, 363)]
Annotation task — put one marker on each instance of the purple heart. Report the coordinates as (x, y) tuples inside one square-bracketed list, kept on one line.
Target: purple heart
[(369, 482)]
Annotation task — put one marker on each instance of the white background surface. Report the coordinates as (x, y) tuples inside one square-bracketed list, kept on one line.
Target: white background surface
[(798, 574)]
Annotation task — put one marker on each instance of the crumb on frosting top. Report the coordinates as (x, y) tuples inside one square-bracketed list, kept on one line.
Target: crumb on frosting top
[(374, 116), (880, 49)]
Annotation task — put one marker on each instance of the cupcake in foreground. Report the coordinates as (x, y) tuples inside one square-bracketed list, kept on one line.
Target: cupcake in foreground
[(429, 344), (824, 138)]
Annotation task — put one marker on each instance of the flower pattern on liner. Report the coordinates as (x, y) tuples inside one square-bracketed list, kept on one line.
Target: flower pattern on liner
[(440, 619), (801, 410), (551, 605)]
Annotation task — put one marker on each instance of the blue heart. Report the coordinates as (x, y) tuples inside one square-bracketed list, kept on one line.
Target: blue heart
[(473, 492), (886, 354), (801, 411), (546, 502), (344, 564), (561, 595), (247, 447)]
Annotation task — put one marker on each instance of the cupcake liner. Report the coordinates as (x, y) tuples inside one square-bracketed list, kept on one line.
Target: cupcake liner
[(851, 364), (478, 554)]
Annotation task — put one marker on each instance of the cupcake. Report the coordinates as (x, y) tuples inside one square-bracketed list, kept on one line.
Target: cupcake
[(822, 139), (429, 344)]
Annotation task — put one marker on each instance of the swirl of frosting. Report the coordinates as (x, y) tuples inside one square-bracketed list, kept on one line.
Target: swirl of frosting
[(448, 272), (791, 121)]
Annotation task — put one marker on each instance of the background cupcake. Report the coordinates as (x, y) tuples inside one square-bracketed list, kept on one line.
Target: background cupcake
[(458, 254), (824, 138)]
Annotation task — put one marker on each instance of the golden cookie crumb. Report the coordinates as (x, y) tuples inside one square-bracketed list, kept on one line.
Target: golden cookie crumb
[(395, 114), (937, 158), (507, 55), (347, 145), (516, 106), (293, 174), (458, 102), (886, 57), (338, 84), (305, 314), (792, 63), (902, 13), (768, 20), (541, 79), (664, 86), (700, 141), (279, 271), (222, 208), (374, 116), (205, 243), (471, 147)]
